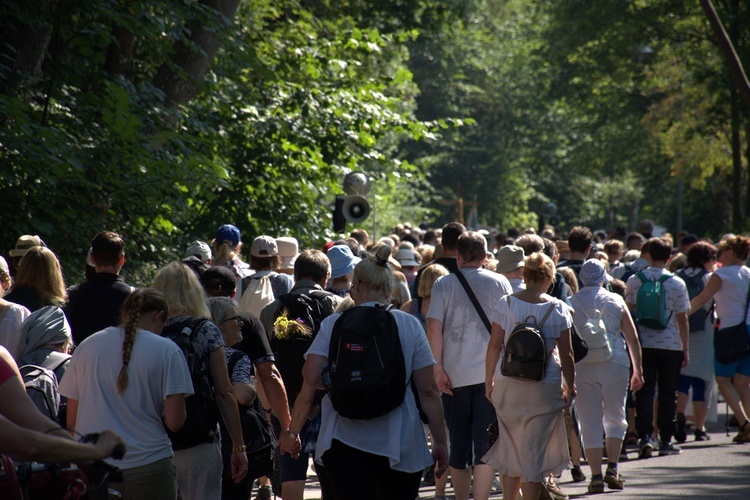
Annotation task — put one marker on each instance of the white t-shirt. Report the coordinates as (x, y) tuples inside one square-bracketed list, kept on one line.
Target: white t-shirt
[(465, 338), (508, 315), (677, 302), (731, 297), (593, 298), (156, 370), (10, 327), (398, 435)]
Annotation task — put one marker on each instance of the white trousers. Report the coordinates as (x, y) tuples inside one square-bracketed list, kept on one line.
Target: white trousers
[(600, 403)]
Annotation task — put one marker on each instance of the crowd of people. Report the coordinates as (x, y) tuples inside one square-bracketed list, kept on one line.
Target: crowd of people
[(627, 321)]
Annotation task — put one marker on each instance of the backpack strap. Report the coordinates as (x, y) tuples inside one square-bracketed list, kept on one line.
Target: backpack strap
[(474, 301), (55, 360), (549, 311)]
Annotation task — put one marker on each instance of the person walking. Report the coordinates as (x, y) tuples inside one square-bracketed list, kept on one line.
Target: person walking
[(531, 441), (730, 285), (458, 338), (129, 379)]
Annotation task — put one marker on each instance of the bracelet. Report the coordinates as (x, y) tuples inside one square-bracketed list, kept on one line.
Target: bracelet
[(240, 449), (267, 410)]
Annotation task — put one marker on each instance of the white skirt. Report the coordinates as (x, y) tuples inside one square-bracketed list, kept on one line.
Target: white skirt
[(532, 441)]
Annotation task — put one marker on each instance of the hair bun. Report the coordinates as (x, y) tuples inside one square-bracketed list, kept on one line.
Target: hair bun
[(382, 255)]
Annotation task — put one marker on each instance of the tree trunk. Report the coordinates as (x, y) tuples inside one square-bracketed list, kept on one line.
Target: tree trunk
[(120, 52), (22, 46), (180, 78)]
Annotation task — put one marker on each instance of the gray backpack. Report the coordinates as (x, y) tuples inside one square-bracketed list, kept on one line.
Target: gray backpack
[(42, 385)]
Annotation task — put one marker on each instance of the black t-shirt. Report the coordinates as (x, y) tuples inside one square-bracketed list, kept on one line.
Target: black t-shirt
[(254, 340), (96, 304)]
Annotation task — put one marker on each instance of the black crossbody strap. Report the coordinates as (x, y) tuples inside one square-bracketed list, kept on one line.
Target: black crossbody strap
[(473, 298), (747, 303)]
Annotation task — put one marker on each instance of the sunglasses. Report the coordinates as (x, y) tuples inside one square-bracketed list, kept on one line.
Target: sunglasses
[(238, 319)]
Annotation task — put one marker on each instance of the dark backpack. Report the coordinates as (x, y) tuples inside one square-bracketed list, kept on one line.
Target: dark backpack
[(366, 374), (695, 286), (651, 302), (202, 410), (42, 386), (525, 355), (296, 322), (259, 438)]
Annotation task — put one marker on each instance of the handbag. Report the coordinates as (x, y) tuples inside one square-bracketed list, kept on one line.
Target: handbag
[(580, 347), (732, 343)]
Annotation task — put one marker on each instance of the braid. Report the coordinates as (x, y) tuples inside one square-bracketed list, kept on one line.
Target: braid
[(131, 328)]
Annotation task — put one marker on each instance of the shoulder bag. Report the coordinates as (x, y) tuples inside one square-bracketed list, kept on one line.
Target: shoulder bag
[(732, 343)]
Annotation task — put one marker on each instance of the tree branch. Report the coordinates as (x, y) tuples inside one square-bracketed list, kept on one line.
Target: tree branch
[(726, 46)]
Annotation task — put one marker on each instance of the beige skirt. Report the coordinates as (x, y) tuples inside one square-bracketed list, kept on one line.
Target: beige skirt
[(531, 441)]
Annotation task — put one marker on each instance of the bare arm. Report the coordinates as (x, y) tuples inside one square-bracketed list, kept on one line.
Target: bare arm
[(302, 407), (494, 348), (713, 286), (312, 370), (23, 444), (174, 412), (567, 364), (228, 408), (683, 325), (435, 338), (429, 398), (244, 393), (274, 390), (634, 347)]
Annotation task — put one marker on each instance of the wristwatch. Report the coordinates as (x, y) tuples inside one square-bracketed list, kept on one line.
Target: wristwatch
[(293, 435)]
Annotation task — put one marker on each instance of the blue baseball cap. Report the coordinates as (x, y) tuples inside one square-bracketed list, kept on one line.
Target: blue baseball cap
[(228, 232)]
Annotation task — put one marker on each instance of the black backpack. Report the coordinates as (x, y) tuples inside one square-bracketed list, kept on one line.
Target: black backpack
[(525, 355), (695, 286), (289, 344), (256, 431), (202, 411), (366, 374)]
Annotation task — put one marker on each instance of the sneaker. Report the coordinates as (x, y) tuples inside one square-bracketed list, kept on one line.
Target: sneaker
[(669, 449), (645, 448), (613, 479), (679, 434), (577, 473), (596, 486), (554, 491), (701, 435), (264, 493), (743, 436)]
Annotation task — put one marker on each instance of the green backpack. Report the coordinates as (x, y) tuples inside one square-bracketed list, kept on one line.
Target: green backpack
[(651, 302)]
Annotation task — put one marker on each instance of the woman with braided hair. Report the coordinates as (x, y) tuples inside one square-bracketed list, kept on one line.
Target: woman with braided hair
[(130, 379)]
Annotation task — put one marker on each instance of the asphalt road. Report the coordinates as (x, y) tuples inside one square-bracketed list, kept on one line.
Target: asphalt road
[(710, 469)]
